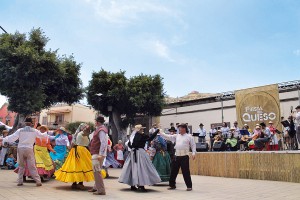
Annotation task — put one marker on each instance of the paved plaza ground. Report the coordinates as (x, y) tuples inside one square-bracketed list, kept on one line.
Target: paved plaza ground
[(204, 188)]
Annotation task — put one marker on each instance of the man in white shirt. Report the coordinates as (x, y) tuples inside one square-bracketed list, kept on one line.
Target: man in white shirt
[(183, 143), (237, 130), (4, 149), (153, 129), (27, 137), (260, 142), (212, 134), (202, 133), (297, 117)]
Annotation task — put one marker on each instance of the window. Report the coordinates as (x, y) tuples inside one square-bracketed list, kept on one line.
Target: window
[(59, 118), (45, 121)]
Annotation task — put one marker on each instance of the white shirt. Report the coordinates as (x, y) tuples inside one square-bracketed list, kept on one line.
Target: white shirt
[(267, 132), (212, 132), (298, 118), (130, 140), (237, 130), (202, 132), (225, 131), (183, 142), (82, 140), (104, 143), (152, 130), (61, 140), (26, 136)]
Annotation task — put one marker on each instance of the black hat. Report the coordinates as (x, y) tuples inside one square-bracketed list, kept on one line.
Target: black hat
[(201, 124), (100, 119), (183, 125), (28, 120), (298, 107), (172, 129), (263, 124)]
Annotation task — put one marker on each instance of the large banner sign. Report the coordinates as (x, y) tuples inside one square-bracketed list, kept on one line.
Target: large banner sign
[(257, 105)]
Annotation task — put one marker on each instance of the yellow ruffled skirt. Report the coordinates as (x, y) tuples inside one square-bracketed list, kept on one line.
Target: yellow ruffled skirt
[(43, 161), (77, 167)]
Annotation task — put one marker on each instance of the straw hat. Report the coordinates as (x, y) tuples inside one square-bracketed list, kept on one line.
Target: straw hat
[(257, 127), (232, 129), (63, 129), (138, 127), (270, 122), (43, 127)]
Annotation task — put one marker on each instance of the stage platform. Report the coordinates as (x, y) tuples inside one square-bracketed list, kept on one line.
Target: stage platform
[(259, 165)]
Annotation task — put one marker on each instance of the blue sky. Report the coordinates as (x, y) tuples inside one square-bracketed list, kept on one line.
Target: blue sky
[(203, 45)]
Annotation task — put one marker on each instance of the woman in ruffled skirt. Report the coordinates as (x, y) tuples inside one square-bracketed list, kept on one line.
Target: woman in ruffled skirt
[(138, 169), (78, 165)]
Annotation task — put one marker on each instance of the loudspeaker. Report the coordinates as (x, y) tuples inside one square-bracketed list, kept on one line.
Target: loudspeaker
[(219, 146), (201, 147)]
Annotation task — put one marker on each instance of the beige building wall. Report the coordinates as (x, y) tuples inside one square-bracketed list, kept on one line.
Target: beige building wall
[(71, 113), (288, 100), (83, 113)]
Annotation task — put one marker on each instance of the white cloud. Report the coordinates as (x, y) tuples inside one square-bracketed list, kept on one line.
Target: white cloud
[(162, 50), (158, 48), (296, 52), (127, 11)]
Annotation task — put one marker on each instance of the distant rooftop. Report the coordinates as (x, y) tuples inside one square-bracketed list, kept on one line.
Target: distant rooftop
[(194, 95)]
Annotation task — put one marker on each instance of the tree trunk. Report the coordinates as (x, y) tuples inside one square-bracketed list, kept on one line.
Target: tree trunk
[(19, 121), (118, 133)]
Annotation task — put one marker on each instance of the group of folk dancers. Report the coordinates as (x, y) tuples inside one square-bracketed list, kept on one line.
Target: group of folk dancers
[(139, 170), (85, 158)]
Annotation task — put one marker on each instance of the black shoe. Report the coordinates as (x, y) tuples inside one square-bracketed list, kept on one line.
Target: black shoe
[(172, 188), (133, 188), (74, 186), (142, 189)]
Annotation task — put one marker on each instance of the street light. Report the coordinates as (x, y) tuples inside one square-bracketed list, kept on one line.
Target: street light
[(109, 109), (98, 102), (3, 29)]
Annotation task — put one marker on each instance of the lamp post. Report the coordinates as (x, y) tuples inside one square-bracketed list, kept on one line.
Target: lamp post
[(99, 96), (3, 29), (109, 109)]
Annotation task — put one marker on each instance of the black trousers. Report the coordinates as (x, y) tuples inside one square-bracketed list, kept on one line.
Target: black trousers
[(182, 162)]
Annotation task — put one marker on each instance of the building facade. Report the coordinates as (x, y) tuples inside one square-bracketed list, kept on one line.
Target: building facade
[(62, 114), (218, 109), (7, 117)]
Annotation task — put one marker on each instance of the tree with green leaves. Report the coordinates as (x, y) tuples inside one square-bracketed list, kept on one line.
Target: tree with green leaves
[(128, 97), (33, 77)]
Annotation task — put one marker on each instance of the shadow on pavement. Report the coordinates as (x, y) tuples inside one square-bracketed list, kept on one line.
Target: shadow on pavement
[(129, 190), (69, 188)]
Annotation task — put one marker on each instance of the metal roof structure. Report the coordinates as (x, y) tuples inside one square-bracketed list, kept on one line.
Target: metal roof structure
[(284, 86)]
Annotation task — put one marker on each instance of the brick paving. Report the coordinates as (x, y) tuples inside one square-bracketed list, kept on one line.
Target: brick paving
[(204, 187)]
